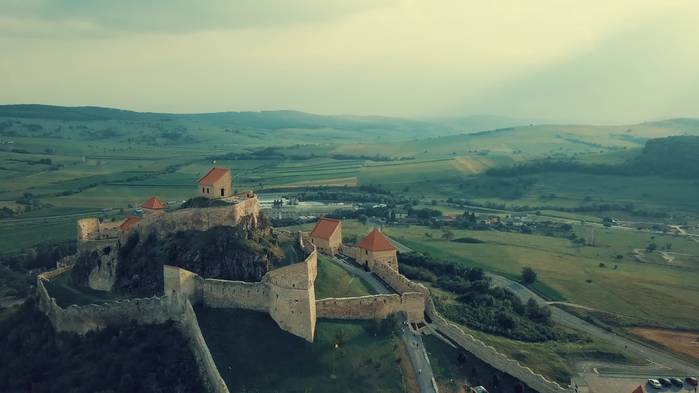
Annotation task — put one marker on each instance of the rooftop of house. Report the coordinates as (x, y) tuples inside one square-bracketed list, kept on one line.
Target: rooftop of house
[(129, 223), (153, 203), (376, 241), (214, 175), (325, 227)]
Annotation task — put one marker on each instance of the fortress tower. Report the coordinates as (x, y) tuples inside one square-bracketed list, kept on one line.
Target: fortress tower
[(374, 249)]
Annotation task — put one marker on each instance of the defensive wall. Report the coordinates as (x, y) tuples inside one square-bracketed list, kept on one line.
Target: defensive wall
[(372, 306), (93, 234), (200, 219), (287, 293), (97, 236), (412, 297), (82, 319)]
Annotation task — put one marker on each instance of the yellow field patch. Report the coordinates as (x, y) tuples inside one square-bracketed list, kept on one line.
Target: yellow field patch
[(679, 341), (470, 165)]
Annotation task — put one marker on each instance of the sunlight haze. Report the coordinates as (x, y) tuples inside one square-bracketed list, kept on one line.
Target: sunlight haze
[(560, 61)]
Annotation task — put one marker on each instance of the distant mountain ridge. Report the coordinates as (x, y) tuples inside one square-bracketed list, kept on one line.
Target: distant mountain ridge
[(273, 119), (270, 119)]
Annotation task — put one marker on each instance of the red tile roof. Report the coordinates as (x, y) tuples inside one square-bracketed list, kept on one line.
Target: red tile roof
[(212, 176), (153, 203), (325, 227), (129, 223), (639, 389), (376, 241)]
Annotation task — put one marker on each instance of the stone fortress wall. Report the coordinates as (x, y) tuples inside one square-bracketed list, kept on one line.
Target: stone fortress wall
[(287, 293), (83, 319), (372, 307), (411, 299), (96, 236), (93, 234), (200, 219)]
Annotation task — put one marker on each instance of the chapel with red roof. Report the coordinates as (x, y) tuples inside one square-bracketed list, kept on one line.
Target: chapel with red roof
[(327, 235), (216, 183), (374, 249)]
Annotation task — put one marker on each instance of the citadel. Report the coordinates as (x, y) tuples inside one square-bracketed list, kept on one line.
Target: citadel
[(285, 293)]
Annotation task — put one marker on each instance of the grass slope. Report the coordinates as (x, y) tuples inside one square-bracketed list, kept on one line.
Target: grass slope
[(254, 354)]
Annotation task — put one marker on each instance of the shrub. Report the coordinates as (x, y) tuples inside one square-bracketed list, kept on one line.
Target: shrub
[(528, 275)]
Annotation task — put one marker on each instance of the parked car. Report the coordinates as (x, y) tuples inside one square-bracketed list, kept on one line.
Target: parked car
[(665, 382), (654, 383), (677, 382), (691, 380)]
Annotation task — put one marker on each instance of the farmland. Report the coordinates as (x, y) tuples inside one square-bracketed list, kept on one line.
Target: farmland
[(57, 166)]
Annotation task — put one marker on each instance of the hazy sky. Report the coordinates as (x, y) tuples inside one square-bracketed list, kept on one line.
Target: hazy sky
[(600, 61)]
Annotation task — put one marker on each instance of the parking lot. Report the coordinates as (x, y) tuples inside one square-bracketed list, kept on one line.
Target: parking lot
[(626, 384)]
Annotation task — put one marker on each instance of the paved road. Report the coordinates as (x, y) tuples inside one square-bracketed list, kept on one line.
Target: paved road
[(652, 354), (413, 340)]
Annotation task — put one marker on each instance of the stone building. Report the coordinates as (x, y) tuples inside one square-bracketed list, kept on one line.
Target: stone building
[(153, 205), (374, 249), (327, 235), (217, 183)]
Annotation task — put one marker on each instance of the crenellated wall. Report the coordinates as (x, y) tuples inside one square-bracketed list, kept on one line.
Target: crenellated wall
[(287, 293), (83, 319), (397, 281)]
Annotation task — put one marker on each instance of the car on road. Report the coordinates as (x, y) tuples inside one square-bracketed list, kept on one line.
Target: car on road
[(654, 383), (677, 382), (691, 380), (665, 382)]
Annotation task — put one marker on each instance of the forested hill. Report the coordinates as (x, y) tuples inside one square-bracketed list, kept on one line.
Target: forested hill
[(673, 156), (676, 156)]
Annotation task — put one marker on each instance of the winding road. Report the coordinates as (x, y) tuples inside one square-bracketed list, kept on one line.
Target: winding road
[(652, 354)]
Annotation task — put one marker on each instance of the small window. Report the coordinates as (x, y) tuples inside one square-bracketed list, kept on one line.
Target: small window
[(222, 192), (203, 190)]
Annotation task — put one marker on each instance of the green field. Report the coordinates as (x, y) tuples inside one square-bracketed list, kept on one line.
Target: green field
[(658, 293), (254, 354), (334, 281)]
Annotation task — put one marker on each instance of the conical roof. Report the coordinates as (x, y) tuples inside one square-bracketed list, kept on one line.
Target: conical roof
[(376, 241), (153, 203)]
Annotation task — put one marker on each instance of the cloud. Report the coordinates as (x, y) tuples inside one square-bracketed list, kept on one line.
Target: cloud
[(564, 60), (108, 17), (643, 73)]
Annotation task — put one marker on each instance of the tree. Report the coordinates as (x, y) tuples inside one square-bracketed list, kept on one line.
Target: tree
[(528, 275), (651, 247), (448, 235)]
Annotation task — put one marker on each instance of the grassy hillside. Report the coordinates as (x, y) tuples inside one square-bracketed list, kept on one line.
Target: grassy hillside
[(253, 354)]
